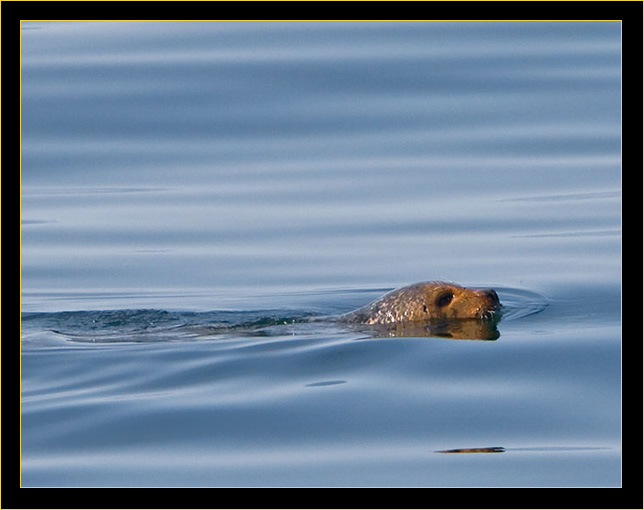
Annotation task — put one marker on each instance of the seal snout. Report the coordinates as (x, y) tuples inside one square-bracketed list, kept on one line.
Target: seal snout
[(492, 305), (492, 296)]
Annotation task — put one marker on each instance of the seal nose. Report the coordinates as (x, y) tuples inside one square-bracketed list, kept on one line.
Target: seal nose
[(491, 295)]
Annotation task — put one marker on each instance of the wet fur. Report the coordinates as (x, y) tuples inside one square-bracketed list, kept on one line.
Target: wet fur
[(428, 301)]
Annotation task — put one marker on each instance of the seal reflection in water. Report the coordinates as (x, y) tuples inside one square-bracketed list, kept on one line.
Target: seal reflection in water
[(432, 309)]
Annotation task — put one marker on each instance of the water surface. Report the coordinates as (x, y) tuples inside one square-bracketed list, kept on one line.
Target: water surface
[(190, 190)]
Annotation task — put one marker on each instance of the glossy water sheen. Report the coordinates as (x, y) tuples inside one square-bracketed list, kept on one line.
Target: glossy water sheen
[(191, 190)]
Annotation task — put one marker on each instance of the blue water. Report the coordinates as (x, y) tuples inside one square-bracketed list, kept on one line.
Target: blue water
[(190, 191)]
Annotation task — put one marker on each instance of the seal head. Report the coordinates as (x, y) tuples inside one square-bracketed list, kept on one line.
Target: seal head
[(428, 302)]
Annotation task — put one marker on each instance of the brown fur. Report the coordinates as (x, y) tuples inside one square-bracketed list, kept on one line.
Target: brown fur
[(428, 301)]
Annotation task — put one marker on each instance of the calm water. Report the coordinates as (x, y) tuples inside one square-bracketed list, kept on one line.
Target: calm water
[(192, 190)]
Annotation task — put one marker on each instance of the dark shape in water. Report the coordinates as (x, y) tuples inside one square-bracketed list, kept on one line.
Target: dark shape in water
[(487, 449)]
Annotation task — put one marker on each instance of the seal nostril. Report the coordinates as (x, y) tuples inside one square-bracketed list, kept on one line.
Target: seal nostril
[(492, 295)]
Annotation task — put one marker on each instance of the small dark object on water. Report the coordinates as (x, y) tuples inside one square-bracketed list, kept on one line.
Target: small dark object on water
[(488, 449)]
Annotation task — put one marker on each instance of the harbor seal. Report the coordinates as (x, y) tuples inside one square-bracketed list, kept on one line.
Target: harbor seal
[(428, 302)]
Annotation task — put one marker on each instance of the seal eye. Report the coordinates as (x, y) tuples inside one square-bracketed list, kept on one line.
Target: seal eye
[(444, 299)]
